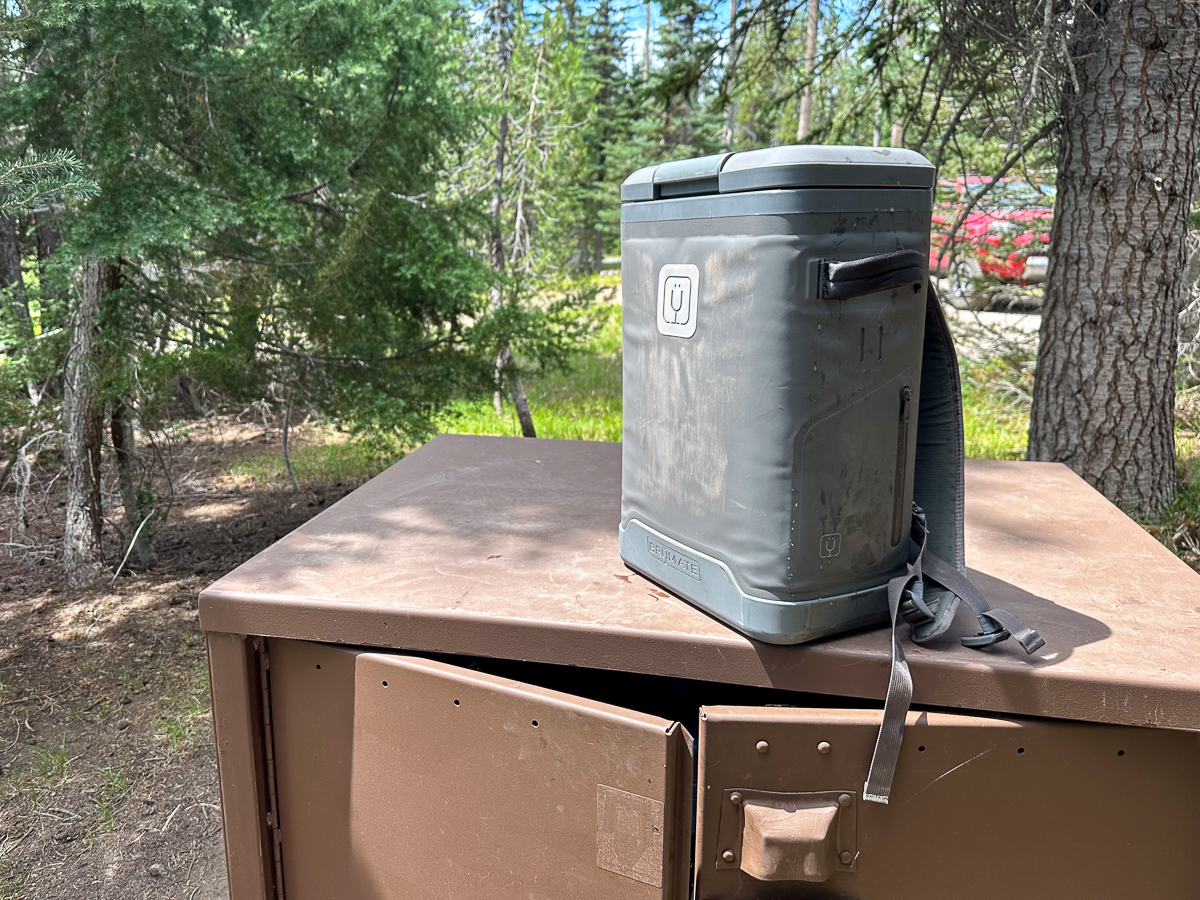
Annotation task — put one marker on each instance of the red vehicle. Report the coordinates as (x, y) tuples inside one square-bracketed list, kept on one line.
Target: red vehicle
[(1003, 240)]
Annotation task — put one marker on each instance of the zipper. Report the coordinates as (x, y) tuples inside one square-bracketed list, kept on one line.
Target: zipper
[(901, 463)]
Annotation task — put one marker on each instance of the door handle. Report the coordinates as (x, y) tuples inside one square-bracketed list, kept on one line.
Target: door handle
[(799, 844), (788, 837)]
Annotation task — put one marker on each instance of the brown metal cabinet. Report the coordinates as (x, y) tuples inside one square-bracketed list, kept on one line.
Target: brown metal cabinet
[(398, 776), (448, 686)]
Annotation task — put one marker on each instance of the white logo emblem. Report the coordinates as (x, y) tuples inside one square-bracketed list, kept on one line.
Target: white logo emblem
[(678, 290)]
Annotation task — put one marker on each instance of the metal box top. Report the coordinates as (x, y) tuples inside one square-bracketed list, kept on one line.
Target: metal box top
[(507, 548), (778, 168)]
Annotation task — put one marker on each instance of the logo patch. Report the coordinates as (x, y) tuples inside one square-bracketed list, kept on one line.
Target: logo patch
[(673, 558), (831, 545), (678, 293)]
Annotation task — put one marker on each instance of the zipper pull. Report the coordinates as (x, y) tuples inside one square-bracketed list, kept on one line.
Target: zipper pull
[(905, 403)]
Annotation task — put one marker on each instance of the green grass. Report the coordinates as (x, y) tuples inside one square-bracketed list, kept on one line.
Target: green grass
[(51, 762), (110, 798), (582, 403), (332, 458), (186, 712), (993, 427), (996, 396)]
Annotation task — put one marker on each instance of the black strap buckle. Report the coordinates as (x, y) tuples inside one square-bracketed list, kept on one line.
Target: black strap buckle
[(913, 609), (992, 633)]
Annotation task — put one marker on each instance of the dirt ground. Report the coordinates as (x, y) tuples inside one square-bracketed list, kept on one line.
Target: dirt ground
[(108, 780)]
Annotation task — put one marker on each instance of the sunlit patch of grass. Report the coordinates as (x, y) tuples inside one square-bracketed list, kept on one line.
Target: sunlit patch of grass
[(334, 459), (994, 428), (996, 398), (51, 762), (582, 403), (188, 713), (110, 798), (1180, 530)]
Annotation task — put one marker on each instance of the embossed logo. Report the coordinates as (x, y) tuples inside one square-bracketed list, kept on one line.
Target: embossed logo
[(831, 545), (673, 558)]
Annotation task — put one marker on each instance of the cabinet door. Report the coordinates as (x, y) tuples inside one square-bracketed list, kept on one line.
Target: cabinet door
[(990, 809), (403, 777)]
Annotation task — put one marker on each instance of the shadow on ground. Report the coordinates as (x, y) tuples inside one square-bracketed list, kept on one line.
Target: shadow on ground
[(108, 780)]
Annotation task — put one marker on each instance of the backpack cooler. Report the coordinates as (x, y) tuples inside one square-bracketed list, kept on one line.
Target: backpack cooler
[(792, 455)]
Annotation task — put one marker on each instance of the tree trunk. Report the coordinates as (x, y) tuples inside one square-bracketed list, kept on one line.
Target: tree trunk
[(287, 453), (1104, 396), (83, 424), (520, 402), (10, 265), (646, 47), (48, 238), (810, 63), (500, 21), (125, 449), (730, 67)]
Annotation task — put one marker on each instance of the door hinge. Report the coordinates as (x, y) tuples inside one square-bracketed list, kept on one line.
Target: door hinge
[(264, 666)]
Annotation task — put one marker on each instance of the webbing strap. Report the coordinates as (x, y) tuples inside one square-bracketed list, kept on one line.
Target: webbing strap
[(929, 619), (950, 578), (895, 707)]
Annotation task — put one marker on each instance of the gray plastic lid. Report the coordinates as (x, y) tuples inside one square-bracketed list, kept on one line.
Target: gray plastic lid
[(781, 167)]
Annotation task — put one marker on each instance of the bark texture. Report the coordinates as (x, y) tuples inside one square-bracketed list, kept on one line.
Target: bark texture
[(48, 237), (83, 423), (125, 450), (1104, 396), (10, 265), (810, 63)]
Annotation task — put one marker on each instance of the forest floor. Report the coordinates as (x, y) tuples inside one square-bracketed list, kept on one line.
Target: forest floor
[(108, 783), (108, 780)]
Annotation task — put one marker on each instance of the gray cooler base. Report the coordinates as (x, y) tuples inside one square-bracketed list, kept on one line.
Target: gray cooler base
[(707, 583)]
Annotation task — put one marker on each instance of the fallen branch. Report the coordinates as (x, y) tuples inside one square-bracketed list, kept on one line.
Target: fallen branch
[(129, 549)]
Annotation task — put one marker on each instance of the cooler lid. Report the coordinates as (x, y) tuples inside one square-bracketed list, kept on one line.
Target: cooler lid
[(781, 167)]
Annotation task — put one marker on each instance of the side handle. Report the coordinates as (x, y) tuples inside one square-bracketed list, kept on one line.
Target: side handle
[(859, 277)]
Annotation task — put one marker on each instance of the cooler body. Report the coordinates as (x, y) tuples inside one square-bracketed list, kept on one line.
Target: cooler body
[(769, 431)]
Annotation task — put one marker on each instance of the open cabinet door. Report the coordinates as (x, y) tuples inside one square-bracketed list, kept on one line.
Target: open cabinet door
[(987, 809), (403, 777)]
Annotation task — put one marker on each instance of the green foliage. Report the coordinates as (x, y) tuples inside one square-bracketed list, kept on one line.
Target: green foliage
[(109, 799), (996, 397), (51, 762), (333, 459), (581, 401), (268, 187), (40, 177)]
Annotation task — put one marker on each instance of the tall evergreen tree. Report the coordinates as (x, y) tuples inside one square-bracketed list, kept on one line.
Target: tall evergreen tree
[(269, 208)]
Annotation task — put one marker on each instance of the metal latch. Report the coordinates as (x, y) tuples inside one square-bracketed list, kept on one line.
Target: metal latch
[(788, 837)]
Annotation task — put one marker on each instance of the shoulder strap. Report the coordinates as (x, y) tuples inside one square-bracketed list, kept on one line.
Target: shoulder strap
[(938, 478), (936, 558)]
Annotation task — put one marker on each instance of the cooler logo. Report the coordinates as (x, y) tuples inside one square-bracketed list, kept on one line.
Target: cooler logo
[(673, 558), (678, 291), (831, 545)]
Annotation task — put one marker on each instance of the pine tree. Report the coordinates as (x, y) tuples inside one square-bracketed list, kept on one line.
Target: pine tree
[(269, 194)]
